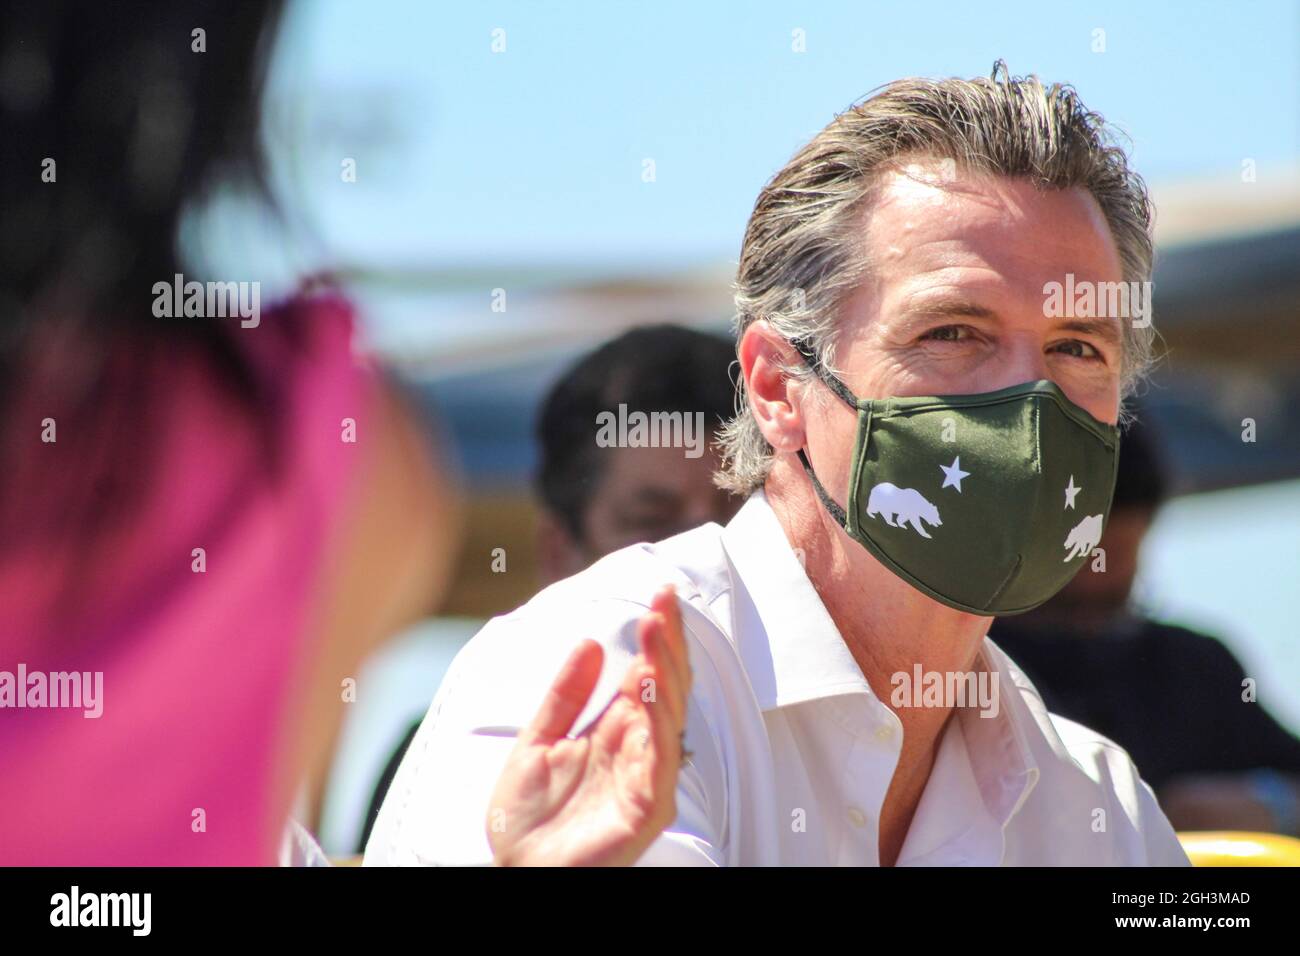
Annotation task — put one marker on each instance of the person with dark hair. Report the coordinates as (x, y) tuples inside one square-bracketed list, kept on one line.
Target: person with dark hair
[(1174, 698), (597, 497), (207, 520)]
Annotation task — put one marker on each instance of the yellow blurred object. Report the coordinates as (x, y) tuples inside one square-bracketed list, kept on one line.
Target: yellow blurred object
[(1238, 848)]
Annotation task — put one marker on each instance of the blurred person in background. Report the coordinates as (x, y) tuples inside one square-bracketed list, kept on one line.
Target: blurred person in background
[(1174, 698), (184, 522), (597, 499)]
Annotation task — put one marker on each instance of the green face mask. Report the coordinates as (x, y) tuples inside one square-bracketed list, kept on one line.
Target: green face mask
[(988, 503)]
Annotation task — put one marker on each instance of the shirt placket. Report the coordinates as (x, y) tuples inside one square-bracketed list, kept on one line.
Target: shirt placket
[(871, 741)]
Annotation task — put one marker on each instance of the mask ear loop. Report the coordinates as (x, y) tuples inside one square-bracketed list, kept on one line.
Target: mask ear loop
[(839, 388), (814, 362)]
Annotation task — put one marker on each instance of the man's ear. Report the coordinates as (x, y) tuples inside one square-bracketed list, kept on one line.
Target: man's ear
[(558, 554), (773, 397)]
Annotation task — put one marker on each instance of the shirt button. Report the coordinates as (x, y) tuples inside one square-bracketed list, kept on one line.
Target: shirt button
[(884, 732), (857, 817)]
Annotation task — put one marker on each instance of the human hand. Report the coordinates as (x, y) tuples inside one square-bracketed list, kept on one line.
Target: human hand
[(602, 798)]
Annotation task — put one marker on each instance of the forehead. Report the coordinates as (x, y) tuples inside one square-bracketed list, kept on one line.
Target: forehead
[(926, 215)]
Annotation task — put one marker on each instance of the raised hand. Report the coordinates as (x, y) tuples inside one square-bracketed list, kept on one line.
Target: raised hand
[(602, 798)]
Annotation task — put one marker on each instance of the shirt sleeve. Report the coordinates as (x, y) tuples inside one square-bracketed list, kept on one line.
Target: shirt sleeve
[(1163, 847), (693, 838), (1137, 830)]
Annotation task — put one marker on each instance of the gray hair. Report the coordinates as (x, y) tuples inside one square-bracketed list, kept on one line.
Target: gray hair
[(801, 256)]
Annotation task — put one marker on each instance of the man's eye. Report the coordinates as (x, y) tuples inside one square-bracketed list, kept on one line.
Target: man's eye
[(1077, 349), (947, 333)]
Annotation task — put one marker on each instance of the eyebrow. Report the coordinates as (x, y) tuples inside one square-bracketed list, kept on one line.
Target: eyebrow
[(949, 307), (1105, 329)]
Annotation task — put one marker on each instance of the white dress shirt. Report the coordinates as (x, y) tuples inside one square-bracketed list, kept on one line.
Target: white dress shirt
[(792, 751)]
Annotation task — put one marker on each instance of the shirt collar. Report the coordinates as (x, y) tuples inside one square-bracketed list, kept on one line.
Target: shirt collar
[(1001, 741), (795, 654)]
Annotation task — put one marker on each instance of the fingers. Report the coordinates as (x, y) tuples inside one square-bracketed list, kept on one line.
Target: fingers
[(652, 681), (665, 603), (664, 723), (667, 731), (653, 678), (567, 695), (663, 648), (666, 663), (665, 606)]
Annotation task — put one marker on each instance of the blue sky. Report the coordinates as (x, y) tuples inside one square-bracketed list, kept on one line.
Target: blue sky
[(535, 153)]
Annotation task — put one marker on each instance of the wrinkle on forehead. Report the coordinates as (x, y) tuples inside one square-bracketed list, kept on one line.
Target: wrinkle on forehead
[(926, 180), (926, 196)]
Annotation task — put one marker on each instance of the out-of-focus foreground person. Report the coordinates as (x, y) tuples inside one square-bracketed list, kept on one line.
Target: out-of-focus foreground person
[(206, 520), (182, 510)]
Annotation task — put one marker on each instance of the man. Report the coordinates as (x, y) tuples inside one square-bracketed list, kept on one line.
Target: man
[(1173, 698), (598, 497), (899, 264)]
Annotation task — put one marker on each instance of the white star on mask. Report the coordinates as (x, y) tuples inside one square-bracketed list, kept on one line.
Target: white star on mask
[(1070, 492), (953, 474)]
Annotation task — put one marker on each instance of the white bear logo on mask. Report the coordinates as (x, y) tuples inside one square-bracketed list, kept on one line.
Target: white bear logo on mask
[(902, 506), (1083, 537)]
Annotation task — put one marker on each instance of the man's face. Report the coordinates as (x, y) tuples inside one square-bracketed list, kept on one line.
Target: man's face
[(644, 494), (954, 302)]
